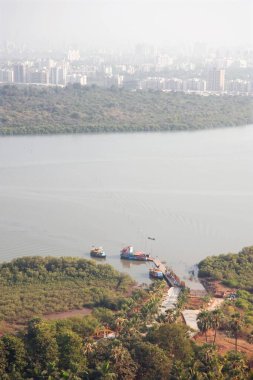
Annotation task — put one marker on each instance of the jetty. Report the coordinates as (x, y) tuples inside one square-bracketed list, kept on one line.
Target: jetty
[(172, 279)]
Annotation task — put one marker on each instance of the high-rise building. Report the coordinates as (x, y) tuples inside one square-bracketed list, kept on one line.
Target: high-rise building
[(195, 84), (216, 80), (6, 75), (113, 80), (53, 75), (153, 83), (163, 60), (57, 75), (238, 86), (174, 84), (77, 78), (38, 76), (19, 73), (62, 74)]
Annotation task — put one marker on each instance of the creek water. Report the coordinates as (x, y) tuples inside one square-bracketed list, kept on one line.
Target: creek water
[(191, 191)]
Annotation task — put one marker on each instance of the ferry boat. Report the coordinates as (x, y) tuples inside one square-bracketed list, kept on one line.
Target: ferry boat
[(155, 273), (128, 253), (97, 252)]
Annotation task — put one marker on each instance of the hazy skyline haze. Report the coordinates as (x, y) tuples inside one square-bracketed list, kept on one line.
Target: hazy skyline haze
[(117, 23)]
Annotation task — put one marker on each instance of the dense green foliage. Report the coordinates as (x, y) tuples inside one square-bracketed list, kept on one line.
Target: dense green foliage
[(140, 348), (67, 350), (76, 109), (234, 270), (35, 285)]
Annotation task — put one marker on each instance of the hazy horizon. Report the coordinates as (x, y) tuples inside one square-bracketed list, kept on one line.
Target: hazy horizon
[(111, 23)]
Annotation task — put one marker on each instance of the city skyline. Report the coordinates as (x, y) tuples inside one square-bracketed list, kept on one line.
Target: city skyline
[(147, 69)]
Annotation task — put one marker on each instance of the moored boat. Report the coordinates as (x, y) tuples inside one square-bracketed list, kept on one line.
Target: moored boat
[(155, 273), (128, 253), (97, 252)]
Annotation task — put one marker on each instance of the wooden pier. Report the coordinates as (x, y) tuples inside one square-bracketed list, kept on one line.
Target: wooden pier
[(171, 278)]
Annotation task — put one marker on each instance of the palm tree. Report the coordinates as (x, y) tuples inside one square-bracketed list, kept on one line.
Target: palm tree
[(236, 366), (250, 337), (235, 325), (172, 315), (210, 364), (123, 363), (105, 372), (194, 372), (215, 321), (120, 322), (131, 327), (203, 322), (89, 347)]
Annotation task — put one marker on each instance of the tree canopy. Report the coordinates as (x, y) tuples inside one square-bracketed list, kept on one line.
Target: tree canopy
[(81, 349), (33, 286), (77, 109), (234, 270)]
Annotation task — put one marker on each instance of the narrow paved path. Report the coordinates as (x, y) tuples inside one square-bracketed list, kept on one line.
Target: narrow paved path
[(169, 301), (190, 318)]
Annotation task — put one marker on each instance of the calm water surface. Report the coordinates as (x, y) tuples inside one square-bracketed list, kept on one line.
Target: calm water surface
[(191, 191)]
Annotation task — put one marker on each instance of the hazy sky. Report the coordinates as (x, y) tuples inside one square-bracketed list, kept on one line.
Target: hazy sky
[(115, 22)]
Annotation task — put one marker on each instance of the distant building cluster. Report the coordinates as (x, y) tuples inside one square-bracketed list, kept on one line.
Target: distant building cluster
[(53, 73), (173, 84), (146, 69), (214, 83)]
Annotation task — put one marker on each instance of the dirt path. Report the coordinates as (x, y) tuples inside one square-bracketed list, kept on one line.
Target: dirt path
[(226, 344), (215, 303), (68, 314)]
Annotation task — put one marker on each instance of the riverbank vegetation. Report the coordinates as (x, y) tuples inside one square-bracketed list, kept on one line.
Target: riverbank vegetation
[(123, 339), (235, 271), (33, 286), (115, 344), (77, 109)]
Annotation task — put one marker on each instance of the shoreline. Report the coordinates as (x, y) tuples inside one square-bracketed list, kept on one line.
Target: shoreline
[(123, 131)]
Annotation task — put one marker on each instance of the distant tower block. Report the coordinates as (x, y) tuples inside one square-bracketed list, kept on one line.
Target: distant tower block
[(19, 73), (216, 80)]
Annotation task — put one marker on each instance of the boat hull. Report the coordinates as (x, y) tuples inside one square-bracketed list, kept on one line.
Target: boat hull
[(97, 252), (156, 275), (128, 253), (135, 258), (98, 255)]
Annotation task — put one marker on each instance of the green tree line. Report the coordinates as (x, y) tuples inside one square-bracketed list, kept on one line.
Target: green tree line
[(77, 109), (142, 347), (68, 350), (234, 270)]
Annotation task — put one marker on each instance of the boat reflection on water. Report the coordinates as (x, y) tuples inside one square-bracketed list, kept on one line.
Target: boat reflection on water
[(133, 263)]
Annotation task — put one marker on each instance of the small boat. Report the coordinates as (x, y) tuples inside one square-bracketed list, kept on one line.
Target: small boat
[(155, 273), (97, 252), (128, 253)]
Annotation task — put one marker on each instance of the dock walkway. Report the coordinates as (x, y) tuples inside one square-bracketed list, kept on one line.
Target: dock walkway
[(169, 276)]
